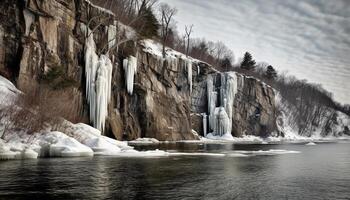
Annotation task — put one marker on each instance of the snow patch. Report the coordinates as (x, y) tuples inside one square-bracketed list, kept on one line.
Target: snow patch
[(172, 58)]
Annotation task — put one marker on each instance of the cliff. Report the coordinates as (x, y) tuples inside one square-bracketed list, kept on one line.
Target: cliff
[(167, 97), (253, 104)]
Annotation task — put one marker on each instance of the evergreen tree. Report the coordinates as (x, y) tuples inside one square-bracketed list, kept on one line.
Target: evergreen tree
[(225, 64), (148, 24), (270, 73), (248, 63)]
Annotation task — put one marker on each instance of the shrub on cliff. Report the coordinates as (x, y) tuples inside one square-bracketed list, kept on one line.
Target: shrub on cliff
[(148, 24), (270, 73), (57, 79)]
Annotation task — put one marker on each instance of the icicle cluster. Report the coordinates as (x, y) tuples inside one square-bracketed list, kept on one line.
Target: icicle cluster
[(130, 69), (220, 118), (189, 73), (98, 72)]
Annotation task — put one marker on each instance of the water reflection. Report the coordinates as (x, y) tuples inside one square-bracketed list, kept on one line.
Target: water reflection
[(319, 172)]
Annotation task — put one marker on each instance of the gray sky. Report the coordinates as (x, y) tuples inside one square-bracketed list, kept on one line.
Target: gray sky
[(309, 38)]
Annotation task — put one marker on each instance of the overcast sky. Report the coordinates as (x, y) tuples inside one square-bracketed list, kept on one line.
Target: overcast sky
[(309, 38)]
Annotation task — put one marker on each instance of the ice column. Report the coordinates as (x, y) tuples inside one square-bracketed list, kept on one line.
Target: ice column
[(204, 124), (98, 71), (130, 69), (189, 73), (220, 118)]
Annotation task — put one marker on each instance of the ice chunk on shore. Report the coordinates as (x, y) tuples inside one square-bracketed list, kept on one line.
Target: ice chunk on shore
[(226, 136), (57, 144), (5, 152), (144, 141), (311, 144), (91, 137)]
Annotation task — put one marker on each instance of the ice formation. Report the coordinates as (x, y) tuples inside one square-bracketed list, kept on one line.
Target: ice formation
[(98, 71), (29, 18), (189, 73), (130, 69), (220, 117), (205, 123)]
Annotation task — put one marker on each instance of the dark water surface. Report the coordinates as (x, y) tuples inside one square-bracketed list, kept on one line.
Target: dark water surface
[(317, 172)]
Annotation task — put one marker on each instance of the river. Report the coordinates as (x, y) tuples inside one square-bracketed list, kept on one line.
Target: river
[(206, 171)]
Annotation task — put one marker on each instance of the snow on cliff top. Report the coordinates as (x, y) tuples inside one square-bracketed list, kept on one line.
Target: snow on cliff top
[(100, 8), (155, 48)]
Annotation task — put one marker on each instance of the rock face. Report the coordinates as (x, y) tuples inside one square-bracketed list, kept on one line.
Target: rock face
[(37, 36), (254, 111)]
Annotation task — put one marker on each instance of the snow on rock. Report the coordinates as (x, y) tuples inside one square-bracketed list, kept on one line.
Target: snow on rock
[(7, 90), (91, 137), (172, 57), (98, 72), (331, 124), (103, 10), (71, 140), (130, 69)]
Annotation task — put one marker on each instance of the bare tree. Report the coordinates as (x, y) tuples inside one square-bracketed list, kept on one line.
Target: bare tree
[(188, 31), (125, 12), (167, 14)]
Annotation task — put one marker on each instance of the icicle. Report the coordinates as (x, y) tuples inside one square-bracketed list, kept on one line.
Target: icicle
[(130, 69), (189, 73), (198, 70), (29, 18), (209, 91), (222, 88), (98, 72), (204, 124), (213, 100)]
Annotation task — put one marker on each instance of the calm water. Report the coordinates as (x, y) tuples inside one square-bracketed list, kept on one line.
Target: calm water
[(318, 172)]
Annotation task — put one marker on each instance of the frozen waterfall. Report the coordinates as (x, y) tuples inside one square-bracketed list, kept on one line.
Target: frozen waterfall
[(98, 71), (220, 110), (130, 69)]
